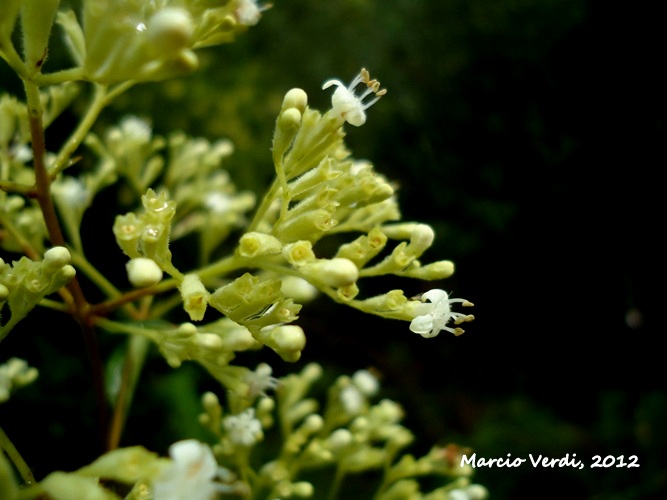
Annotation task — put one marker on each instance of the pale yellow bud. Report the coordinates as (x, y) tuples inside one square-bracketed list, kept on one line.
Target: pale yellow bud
[(336, 272), (290, 119), (289, 341), (55, 258), (295, 98), (195, 296), (169, 30), (303, 489)]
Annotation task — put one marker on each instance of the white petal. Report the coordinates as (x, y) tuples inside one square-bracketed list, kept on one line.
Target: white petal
[(436, 295), (422, 324)]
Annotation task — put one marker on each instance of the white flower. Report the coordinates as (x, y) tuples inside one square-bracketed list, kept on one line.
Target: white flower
[(243, 429), (352, 400), (433, 317), (248, 12), (190, 477), (350, 107), (260, 380), (366, 382)]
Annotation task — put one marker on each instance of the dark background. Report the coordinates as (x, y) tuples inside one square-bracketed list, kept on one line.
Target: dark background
[(530, 135)]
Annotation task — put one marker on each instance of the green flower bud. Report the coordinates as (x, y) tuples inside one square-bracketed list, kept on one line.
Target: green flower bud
[(303, 489), (195, 296), (336, 272), (289, 121), (253, 244), (295, 98), (347, 293), (364, 248), (158, 207), (389, 302), (298, 289), (306, 226), (339, 439), (169, 30), (434, 271), (128, 230), (54, 259), (288, 341), (299, 252)]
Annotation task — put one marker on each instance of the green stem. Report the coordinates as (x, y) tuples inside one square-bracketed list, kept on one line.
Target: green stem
[(101, 98), (92, 113), (265, 205), (135, 356), (16, 458), (62, 76), (335, 485), (9, 54), (80, 262), (43, 196), (124, 328)]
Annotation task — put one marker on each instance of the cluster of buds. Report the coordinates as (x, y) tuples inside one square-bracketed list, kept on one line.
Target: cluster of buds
[(351, 434), (147, 234), (25, 282), (113, 41)]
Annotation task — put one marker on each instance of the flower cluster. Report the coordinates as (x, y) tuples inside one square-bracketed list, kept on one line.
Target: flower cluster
[(25, 282), (241, 267)]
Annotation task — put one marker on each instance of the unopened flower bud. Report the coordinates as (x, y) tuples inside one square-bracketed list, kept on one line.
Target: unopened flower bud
[(170, 29), (289, 120), (143, 272), (421, 238), (434, 271), (210, 401), (340, 438), (64, 276), (289, 341), (313, 423), (303, 489), (366, 382), (298, 289), (336, 272), (295, 98), (55, 258)]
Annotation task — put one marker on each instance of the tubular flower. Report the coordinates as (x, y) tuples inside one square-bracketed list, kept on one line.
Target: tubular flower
[(350, 107), (432, 317)]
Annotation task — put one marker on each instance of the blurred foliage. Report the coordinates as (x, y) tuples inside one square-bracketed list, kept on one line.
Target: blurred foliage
[(526, 132)]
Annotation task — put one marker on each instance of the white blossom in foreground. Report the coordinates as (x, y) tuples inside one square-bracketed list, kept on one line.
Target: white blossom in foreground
[(350, 107), (191, 474), (432, 317)]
